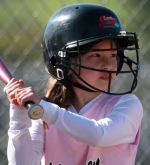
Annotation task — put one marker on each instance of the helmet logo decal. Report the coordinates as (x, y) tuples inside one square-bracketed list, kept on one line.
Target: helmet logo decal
[(108, 21)]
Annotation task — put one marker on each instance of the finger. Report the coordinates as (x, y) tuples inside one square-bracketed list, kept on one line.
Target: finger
[(19, 93), (14, 101), (9, 84), (24, 96), (10, 91), (22, 99), (13, 84), (11, 81), (22, 82)]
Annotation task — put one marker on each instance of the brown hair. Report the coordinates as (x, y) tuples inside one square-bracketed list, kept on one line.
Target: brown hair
[(59, 94)]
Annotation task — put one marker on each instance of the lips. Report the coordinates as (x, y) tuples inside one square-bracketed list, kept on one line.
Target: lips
[(105, 77)]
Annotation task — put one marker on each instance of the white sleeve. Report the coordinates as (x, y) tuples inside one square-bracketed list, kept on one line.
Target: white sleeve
[(120, 126), (22, 149)]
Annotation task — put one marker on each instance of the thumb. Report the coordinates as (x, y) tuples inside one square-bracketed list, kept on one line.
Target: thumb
[(22, 82), (14, 101)]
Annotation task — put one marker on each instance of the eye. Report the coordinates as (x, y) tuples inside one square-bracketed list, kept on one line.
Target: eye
[(113, 55), (96, 55)]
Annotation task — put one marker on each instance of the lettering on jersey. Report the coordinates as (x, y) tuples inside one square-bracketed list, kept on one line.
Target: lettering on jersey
[(97, 162), (51, 163)]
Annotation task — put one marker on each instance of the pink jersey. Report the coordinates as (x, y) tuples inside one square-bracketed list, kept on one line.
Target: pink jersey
[(61, 149)]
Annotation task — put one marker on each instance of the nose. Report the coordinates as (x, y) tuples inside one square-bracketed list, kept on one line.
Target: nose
[(106, 63)]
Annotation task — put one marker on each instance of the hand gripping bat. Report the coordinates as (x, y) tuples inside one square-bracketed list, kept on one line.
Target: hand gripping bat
[(35, 111)]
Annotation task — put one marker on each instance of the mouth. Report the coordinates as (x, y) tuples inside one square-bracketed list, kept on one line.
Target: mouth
[(105, 77)]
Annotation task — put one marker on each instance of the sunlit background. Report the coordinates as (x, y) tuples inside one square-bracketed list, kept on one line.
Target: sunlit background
[(21, 29)]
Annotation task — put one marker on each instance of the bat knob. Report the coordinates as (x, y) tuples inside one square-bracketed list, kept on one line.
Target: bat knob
[(35, 111)]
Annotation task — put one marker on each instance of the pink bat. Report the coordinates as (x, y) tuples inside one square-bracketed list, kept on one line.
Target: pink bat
[(5, 75)]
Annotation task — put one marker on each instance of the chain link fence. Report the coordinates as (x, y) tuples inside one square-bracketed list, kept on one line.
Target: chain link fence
[(21, 29)]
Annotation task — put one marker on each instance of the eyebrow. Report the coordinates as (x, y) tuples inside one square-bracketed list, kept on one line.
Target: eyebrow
[(98, 50), (113, 50)]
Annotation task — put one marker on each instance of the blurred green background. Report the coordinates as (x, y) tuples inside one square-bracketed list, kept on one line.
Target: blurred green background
[(22, 24)]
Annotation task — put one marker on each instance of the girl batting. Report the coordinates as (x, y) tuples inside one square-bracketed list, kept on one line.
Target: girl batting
[(84, 121)]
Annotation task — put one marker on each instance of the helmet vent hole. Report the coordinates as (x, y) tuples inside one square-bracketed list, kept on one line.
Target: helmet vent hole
[(77, 7), (53, 61)]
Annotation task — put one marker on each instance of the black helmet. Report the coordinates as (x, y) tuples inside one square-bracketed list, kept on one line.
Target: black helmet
[(72, 29)]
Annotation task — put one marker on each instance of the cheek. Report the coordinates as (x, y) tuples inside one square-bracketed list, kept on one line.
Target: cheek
[(85, 74), (114, 64), (89, 76), (114, 69), (84, 62)]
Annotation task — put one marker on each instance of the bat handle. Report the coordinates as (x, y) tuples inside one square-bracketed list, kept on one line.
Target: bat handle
[(35, 111)]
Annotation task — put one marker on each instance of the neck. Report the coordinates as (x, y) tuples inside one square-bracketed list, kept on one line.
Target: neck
[(82, 98)]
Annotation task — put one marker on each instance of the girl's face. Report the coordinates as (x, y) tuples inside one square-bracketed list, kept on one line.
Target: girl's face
[(102, 60)]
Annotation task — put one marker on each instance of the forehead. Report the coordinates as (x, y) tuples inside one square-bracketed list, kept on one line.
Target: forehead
[(104, 44)]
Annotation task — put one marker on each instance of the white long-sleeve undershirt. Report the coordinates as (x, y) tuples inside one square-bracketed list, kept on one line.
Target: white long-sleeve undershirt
[(26, 138)]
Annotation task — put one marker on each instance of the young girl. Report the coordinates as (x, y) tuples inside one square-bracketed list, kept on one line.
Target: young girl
[(84, 122)]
